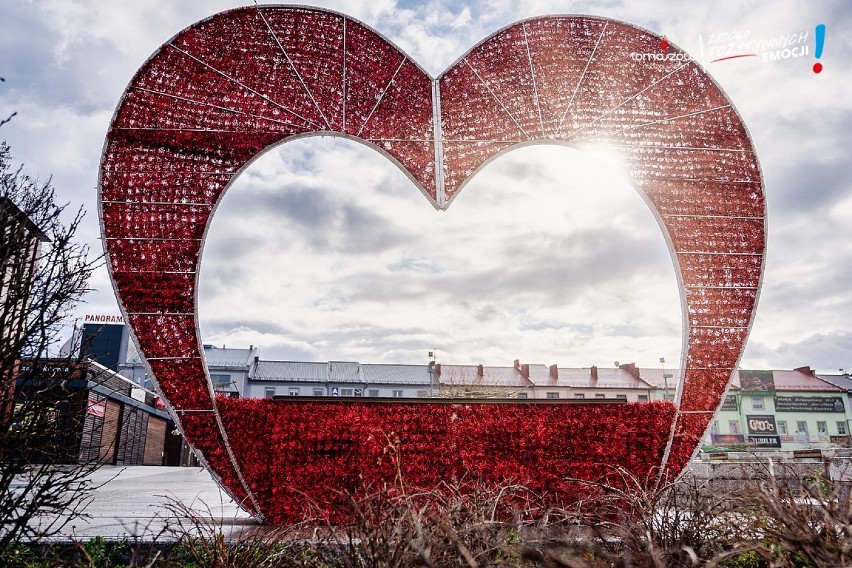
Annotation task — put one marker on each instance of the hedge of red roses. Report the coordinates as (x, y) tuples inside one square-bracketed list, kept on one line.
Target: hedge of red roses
[(302, 459)]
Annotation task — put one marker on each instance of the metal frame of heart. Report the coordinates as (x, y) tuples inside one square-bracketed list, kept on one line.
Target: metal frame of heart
[(224, 90)]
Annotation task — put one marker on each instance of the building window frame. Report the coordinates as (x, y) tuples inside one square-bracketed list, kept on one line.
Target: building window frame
[(397, 394), (347, 392), (268, 392), (782, 427), (842, 430), (822, 427), (220, 379), (552, 395), (373, 393), (734, 427), (757, 403), (319, 391)]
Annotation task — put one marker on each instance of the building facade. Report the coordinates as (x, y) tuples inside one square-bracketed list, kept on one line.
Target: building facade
[(20, 242), (95, 415), (783, 410)]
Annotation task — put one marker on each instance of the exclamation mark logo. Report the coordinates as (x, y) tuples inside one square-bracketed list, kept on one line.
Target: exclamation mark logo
[(820, 43)]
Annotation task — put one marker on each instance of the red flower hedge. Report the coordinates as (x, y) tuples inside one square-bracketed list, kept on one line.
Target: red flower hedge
[(302, 459)]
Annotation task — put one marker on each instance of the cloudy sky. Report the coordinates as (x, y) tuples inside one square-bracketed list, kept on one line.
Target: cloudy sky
[(323, 250)]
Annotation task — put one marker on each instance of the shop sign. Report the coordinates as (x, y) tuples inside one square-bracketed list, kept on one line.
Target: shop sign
[(102, 318), (809, 404), (765, 441), (97, 409), (730, 403), (727, 438), (761, 424)]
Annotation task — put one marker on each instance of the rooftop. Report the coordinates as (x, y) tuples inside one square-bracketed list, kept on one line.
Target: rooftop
[(229, 357)]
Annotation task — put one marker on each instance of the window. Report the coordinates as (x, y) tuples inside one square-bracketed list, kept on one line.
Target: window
[(757, 403), (801, 427), (293, 391), (782, 427), (318, 392), (669, 397), (734, 426), (347, 392), (553, 395), (373, 392), (422, 394), (600, 395), (642, 398), (621, 397), (822, 428), (841, 428), (522, 395), (579, 395), (397, 394), (714, 428), (219, 380), (269, 392)]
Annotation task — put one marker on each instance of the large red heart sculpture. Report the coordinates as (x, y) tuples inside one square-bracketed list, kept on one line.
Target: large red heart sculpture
[(222, 91)]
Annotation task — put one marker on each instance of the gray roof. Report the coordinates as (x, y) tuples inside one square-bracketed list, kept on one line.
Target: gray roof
[(228, 358), (395, 374), (291, 371), (842, 381), (343, 372)]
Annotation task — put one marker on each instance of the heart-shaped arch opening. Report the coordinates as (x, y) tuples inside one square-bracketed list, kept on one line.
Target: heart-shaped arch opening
[(547, 256)]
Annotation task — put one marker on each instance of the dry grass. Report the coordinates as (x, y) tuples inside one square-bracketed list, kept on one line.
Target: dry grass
[(775, 519)]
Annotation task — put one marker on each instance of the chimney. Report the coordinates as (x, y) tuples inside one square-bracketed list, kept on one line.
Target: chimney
[(480, 371), (525, 371), (438, 369), (554, 372), (517, 363), (806, 370), (594, 373), (631, 368)]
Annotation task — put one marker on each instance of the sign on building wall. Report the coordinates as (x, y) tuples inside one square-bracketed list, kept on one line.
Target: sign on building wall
[(730, 403), (762, 431), (102, 318), (727, 438), (765, 441), (761, 424), (757, 380), (809, 404), (96, 409)]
